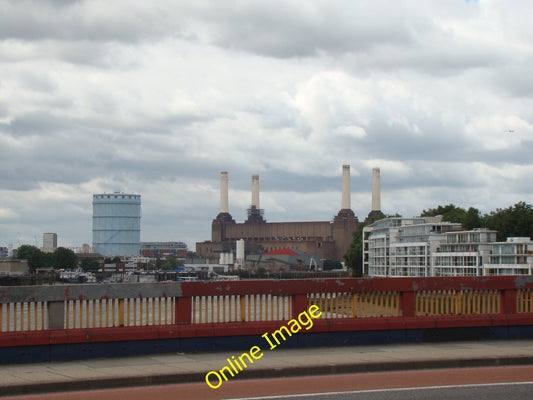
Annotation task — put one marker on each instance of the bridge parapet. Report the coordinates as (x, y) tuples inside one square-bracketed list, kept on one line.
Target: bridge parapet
[(143, 304), (88, 313)]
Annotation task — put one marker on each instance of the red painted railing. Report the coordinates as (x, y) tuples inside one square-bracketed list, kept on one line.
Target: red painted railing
[(122, 312)]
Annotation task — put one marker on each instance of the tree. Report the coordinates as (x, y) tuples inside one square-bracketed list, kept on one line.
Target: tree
[(472, 219), (65, 258), (512, 221), (449, 213), (354, 256), (331, 264), (32, 254), (456, 215), (440, 210), (89, 265), (47, 260), (170, 263), (468, 219)]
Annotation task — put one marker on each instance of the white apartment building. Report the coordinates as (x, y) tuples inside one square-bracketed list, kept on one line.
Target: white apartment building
[(463, 253), (403, 246), (426, 246), (513, 257)]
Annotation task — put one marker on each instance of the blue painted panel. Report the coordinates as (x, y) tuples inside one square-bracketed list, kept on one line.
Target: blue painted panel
[(75, 351)]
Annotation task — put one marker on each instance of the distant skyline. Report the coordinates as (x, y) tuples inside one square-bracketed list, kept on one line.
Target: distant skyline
[(157, 98)]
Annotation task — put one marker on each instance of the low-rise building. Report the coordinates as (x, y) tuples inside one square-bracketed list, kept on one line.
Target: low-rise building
[(163, 249), (289, 258), (4, 252), (11, 267)]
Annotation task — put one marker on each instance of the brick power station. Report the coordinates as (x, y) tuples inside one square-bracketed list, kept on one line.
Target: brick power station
[(326, 239)]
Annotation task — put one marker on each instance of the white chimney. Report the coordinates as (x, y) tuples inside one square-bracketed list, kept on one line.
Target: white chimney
[(346, 190), (376, 196), (224, 208), (255, 191)]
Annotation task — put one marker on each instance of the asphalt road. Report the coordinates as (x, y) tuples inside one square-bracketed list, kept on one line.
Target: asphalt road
[(514, 382), (515, 391)]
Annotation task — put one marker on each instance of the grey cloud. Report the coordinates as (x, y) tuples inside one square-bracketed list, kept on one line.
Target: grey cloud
[(398, 38), (87, 52), (69, 155), (513, 79), (518, 154), (40, 123), (37, 82), (281, 29), (397, 143), (440, 56), (88, 21)]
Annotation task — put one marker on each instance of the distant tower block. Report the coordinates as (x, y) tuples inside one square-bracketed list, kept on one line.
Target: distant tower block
[(376, 196), (346, 203), (49, 242), (255, 214), (224, 203)]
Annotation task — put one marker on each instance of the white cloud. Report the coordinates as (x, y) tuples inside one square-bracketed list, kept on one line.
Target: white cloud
[(6, 213), (499, 131)]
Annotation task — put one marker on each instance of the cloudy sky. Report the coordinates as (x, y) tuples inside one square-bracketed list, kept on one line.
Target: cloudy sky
[(156, 98)]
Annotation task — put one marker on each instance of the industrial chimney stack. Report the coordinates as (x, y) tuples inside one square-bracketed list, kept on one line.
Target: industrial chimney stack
[(375, 212), (255, 191), (224, 203), (376, 195), (255, 214), (218, 227), (346, 203), (345, 222)]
